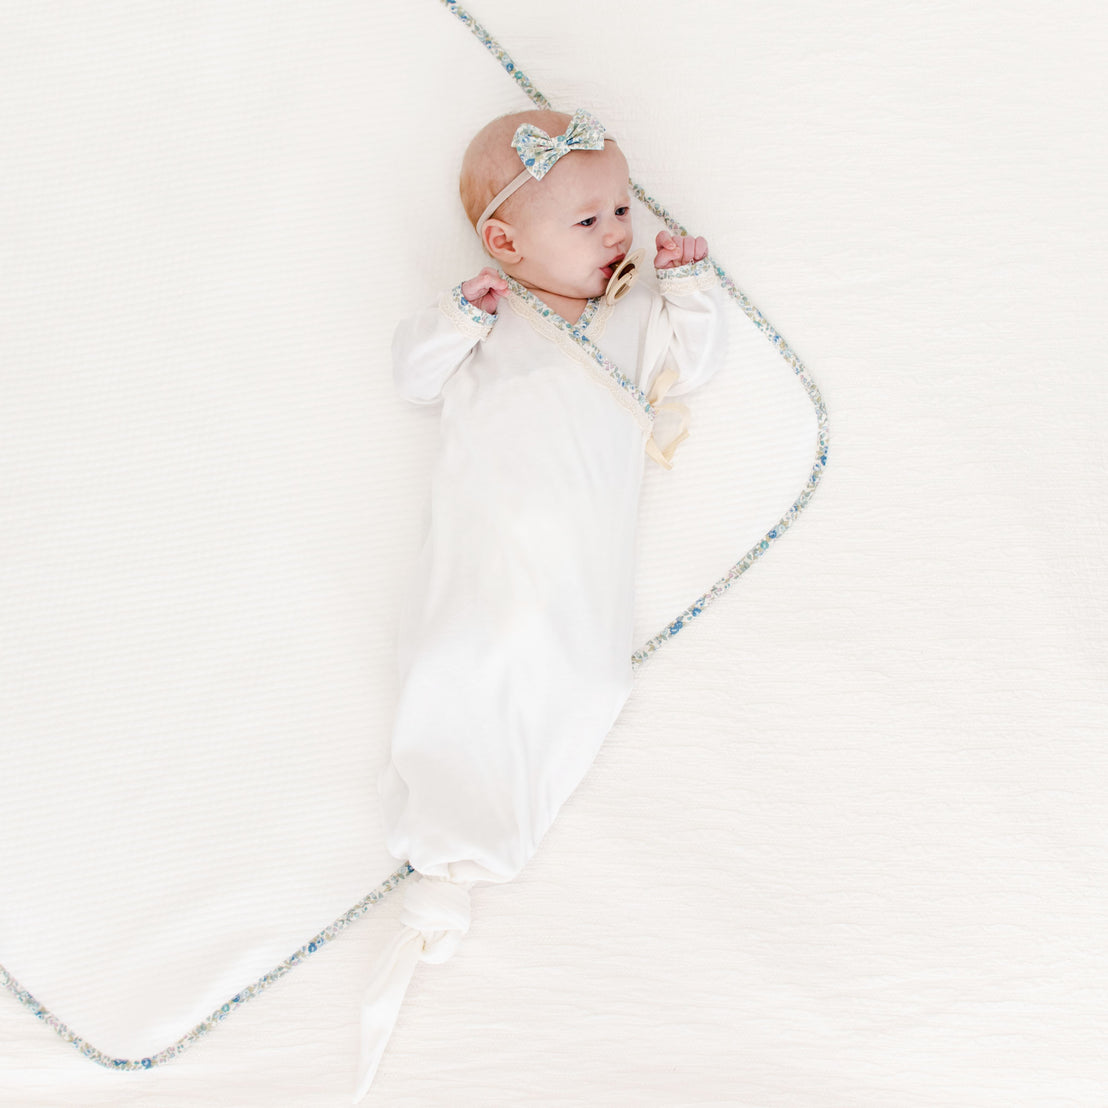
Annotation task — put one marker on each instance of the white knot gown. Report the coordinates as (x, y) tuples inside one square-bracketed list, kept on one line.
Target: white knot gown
[(516, 638)]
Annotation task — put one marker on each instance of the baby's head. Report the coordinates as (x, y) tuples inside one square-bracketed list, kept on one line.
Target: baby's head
[(562, 233)]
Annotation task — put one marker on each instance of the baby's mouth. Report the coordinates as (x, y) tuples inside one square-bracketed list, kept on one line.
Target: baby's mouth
[(610, 267)]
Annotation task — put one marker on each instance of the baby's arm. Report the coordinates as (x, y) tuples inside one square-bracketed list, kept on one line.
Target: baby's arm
[(428, 347), (687, 331)]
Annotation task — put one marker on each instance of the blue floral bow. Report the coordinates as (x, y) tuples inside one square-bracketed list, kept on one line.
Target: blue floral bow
[(539, 152)]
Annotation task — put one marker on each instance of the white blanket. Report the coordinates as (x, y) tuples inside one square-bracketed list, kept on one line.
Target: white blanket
[(844, 844)]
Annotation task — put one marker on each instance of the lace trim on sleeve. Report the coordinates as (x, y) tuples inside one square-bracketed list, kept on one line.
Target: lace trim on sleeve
[(683, 279), (468, 318)]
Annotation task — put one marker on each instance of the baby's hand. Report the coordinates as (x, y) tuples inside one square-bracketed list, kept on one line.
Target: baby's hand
[(674, 250), (485, 289)]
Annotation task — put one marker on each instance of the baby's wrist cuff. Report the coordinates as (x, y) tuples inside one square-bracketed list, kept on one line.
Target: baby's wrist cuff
[(694, 277), (467, 317)]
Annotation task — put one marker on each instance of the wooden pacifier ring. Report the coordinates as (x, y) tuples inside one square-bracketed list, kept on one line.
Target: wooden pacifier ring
[(623, 277)]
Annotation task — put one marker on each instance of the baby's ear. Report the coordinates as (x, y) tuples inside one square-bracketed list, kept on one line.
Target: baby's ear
[(499, 242)]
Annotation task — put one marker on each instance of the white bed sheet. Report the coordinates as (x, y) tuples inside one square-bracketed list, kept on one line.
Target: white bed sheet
[(846, 844)]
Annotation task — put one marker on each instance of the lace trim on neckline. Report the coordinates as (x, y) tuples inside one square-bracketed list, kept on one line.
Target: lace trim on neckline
[(571, 338)]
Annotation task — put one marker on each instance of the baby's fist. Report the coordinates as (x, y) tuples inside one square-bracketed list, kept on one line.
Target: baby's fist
[(485, 289), (675, 250)]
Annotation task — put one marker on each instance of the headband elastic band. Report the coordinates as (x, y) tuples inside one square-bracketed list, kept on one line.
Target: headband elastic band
[(539, 153)]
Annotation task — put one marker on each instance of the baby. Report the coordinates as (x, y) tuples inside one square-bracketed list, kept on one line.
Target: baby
[(515, 648), (539, 236)]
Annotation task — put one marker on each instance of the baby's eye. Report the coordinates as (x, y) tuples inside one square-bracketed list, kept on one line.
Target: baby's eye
[(622, 211), (587, 222)]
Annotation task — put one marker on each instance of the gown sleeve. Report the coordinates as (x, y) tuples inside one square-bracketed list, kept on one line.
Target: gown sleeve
[(428, 347), (687, 331)]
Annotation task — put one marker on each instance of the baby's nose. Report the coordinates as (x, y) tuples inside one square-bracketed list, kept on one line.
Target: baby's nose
[(613, 232)]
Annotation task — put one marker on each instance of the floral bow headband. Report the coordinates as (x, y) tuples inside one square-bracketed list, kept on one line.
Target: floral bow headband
[(539, 153)]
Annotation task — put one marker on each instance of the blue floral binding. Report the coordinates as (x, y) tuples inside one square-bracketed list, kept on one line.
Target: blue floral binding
[(470, 312)]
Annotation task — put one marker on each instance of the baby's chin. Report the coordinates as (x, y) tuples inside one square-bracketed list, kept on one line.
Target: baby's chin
[(596, 286)]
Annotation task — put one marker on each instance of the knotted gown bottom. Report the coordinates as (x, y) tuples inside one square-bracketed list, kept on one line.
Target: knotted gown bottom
[(515, 658)]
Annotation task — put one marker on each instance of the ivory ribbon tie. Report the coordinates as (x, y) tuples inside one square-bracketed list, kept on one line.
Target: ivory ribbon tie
[(662, 384), (435, 916)]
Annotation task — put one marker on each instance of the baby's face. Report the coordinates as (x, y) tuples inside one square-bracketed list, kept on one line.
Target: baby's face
[(575, 226)]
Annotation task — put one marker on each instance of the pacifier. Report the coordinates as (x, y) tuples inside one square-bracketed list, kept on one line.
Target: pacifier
[(623, 277)]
